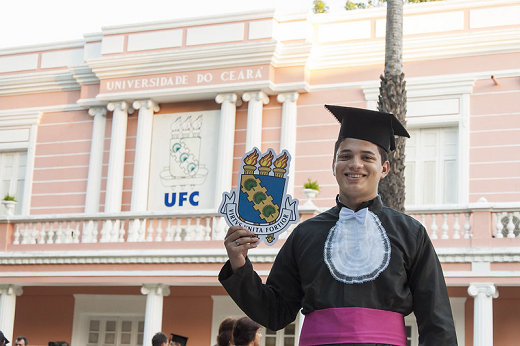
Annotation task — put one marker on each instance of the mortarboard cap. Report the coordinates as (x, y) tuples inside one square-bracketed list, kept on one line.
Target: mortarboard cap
[(179, 339), (372, 126), (3, 338)]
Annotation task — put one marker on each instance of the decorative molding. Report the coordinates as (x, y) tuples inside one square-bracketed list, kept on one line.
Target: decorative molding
[(189, 22), (127, 257), (446, 255), (20, 117), (83, 74), (39, 82), (186, 59), (156, 289), (432, 46), (489, 289), (43, 47), (11, 290)]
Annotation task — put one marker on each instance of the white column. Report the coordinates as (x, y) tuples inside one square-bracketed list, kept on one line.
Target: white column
[(116, 161), (288, 131), (96, 159), (483, 294), (155, 294), (226, 141), (8, 294), (143, 147), (257, 100)]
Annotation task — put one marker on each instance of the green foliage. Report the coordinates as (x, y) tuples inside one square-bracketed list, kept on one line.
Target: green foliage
[(313, 185), (320, 7), (350, 5), (8, 197)]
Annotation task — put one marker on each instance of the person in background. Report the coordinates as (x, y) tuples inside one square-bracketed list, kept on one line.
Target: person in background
[(225, 331), (3, 339), (246, 332), (21, 341), (160, 339)]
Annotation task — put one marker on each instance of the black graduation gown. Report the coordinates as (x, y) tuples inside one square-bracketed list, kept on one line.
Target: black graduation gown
[(299, 278)]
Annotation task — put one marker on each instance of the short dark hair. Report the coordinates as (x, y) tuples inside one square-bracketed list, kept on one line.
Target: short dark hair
[(22, 338), (244, 331), (224, 331), (159, 339), (382, 152)]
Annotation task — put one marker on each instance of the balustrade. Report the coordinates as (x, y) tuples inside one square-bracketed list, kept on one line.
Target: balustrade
[(67, 229), (443, 223), (456, 222)]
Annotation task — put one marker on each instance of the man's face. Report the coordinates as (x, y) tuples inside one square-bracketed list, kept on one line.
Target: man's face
[(358, 169), (19, 342)]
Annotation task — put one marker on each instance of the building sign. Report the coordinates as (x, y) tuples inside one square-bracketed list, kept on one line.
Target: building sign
[(187, 79), (183, 161)]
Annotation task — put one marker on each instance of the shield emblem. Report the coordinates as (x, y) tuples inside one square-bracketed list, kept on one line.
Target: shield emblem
[(260, 203)]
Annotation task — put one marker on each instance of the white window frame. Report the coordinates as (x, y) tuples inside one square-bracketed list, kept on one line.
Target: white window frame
[(87, 306), (18, 129), (437, 101), (135, 320), (419, 183)]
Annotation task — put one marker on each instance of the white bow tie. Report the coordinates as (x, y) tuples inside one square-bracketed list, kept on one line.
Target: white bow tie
[(347, 214)]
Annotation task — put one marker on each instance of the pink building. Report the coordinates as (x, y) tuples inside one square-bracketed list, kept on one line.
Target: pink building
[(115, 235)]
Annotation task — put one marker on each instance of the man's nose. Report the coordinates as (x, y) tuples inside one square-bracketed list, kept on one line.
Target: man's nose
[(356, 162)]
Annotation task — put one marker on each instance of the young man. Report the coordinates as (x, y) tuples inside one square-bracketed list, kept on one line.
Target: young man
[(355, 270)]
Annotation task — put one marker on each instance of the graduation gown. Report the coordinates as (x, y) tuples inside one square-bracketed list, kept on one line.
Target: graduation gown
[(300, 279)]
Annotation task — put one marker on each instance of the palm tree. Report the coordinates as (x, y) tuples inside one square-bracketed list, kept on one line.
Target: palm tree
[(392, 99)]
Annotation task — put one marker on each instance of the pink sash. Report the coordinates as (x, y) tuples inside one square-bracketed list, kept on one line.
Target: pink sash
[(353, 325)]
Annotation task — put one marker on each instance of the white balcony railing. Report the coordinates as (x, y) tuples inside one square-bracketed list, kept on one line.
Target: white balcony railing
[(484, 220), (500, 220)]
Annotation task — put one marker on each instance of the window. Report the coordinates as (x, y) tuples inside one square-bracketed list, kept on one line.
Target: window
[(12, 175), (115, 331), (283, 337), (432, 166)]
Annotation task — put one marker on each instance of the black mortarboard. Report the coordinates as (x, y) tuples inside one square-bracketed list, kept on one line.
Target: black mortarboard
[(181, 340), (372, 126), (3, 338)]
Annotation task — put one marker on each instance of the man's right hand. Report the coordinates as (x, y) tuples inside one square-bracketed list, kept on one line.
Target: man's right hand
[(237, 242)]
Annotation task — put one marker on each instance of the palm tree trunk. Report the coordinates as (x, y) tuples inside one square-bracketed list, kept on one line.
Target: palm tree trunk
[(392, 99)]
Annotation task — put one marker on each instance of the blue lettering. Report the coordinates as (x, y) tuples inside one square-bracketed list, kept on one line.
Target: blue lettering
[(192, 198), (167, 200), (170, 201), (182, 198)]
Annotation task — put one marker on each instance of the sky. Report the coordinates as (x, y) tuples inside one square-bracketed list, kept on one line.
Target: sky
[(30, 22)]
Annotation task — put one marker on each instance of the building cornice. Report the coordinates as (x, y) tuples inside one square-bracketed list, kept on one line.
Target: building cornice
[(207, 256), (189, 22), (418, 48), (189, 59), (39, 82), (174, 256), (83, 75)]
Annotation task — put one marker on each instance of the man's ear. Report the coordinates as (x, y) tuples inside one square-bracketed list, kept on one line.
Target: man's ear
[(334, 167), (385, 169)]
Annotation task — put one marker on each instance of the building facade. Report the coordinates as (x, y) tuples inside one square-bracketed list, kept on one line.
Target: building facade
[(118, 148)]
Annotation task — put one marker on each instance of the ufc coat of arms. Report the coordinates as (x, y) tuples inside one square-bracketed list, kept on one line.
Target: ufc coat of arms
[(261, 203)]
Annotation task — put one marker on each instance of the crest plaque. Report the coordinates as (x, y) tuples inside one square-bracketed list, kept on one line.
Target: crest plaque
[(261, 203)]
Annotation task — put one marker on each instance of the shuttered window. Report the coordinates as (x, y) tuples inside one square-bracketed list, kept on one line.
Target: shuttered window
[(432, 166)]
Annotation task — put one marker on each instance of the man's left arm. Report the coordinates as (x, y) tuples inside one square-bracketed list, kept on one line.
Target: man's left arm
[(430, 296)]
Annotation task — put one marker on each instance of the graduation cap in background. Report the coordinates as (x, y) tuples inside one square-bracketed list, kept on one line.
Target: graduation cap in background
[(372, 126), (178, 340)]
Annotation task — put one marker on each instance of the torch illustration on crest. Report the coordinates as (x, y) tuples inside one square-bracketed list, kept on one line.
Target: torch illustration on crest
[(261, 203)]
